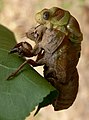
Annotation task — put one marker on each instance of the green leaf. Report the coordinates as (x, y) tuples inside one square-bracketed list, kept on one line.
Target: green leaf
[(47, 100), (19, 96)]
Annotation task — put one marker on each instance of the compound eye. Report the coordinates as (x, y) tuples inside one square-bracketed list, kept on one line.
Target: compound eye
[(46, 15)]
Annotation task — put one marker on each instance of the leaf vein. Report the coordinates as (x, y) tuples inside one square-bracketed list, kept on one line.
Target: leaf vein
[(7, 67)]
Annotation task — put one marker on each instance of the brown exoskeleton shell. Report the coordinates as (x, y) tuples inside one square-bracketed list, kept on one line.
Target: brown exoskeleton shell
[(60, 57)]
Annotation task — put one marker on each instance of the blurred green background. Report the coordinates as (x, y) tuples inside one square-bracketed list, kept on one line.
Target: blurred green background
[(18, 15)]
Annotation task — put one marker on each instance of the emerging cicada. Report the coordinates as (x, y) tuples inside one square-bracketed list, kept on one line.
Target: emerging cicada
[(59, 56)]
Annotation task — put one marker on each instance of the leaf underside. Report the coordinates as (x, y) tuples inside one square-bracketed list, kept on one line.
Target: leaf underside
[(19, 96)]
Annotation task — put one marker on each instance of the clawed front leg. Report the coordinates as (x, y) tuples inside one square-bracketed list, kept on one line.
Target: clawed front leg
[(29, 61), (23, 49)]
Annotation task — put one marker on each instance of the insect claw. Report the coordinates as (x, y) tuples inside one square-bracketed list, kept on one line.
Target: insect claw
[(18, 69), (14, 50), (9, 77)]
